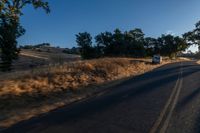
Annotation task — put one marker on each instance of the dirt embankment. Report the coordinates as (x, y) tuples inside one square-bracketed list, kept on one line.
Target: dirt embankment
[(38, 91)]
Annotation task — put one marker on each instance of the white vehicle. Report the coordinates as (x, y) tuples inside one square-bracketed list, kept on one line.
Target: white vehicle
[(157, 59)]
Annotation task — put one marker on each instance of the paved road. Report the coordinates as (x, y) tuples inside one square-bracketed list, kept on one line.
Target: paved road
[(164, 100)]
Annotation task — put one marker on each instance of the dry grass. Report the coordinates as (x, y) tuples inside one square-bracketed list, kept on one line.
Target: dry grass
[(31, 59), (37, 91), (71, 76)]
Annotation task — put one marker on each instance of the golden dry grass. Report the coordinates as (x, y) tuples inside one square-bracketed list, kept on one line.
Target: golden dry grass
[(71, 76), (37, 91)]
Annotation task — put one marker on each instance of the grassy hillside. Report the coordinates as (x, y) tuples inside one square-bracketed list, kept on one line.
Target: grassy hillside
[(30, 59)]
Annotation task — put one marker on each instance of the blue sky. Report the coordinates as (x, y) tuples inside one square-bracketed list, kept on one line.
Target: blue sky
[(68, 17)]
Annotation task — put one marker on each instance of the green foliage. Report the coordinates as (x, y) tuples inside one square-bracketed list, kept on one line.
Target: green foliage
[(193, 37), (35, 46), (10, 28), (152, 46), (8, 44), (171, 45), (84, 41), (134, 41), (129, 44), (71, 51), (104, 43), (13, 8)]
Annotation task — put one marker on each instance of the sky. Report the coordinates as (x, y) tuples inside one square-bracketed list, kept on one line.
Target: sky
[(69, 17)]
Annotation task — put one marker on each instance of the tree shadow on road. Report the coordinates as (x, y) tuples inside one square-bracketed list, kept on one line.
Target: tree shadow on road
[(188, 100), (135, 87)]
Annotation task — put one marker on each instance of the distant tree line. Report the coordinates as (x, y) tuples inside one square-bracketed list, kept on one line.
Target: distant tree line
[(131, 43), (35, 46), (73, 50)]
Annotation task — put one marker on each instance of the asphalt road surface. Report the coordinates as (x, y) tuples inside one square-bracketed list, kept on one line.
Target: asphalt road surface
[(166, 100)]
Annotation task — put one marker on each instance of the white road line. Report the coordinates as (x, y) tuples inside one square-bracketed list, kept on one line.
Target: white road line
[(171, 101), (166, 123)]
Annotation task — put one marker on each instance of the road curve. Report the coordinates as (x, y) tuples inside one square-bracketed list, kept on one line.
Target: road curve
[(164, 100)]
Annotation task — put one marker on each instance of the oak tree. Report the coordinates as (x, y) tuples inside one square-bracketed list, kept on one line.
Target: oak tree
[(10, 28)]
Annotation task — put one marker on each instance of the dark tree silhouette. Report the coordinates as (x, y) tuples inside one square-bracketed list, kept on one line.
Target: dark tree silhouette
[(129, 44), (151, 46), (104, 42), (171, 46), (193, 37), (10, 28), (84, 41), (136, 43), (117, 43), (8, 44)]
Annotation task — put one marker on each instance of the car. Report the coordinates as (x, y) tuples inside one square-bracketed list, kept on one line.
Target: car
[(157, 59)]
